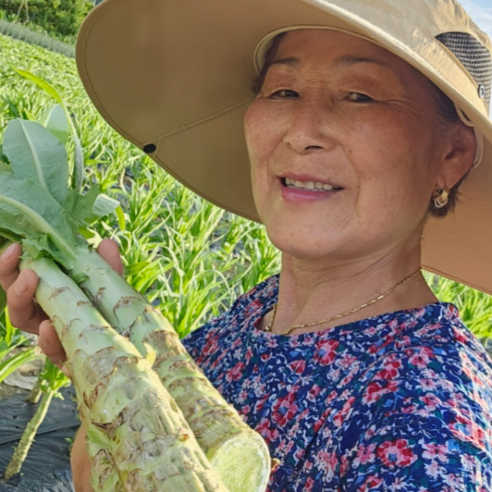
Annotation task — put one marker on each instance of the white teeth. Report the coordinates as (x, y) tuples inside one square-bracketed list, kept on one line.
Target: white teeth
[(308, 185)]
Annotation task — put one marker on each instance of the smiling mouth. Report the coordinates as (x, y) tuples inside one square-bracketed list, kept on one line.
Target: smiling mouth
[(308, 185)]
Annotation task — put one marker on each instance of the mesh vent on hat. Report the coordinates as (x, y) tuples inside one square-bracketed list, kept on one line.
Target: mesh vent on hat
[(474, 56)]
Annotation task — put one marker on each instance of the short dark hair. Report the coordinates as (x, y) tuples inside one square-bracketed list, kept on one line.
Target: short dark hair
[(446, 118)]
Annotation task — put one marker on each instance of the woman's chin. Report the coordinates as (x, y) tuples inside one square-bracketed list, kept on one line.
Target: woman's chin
[(300, 244)]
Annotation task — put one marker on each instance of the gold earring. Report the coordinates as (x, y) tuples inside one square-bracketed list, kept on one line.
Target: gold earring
[(441, 198)]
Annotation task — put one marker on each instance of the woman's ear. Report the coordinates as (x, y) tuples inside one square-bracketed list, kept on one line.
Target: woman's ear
[(458, 156)]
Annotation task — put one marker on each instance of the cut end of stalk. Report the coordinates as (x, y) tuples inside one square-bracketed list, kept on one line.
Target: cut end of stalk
[(243, 463)]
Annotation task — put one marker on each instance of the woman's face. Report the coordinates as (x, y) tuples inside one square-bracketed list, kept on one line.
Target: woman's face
[(343, 151)]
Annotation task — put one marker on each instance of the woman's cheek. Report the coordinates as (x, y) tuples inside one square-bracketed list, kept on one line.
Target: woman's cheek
[(256, 140), (265, 123)]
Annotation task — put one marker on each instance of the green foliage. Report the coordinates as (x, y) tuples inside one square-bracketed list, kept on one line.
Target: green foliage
[(475, 307), (189, 258), (41, 156), (62, 125), (36, 203), (62, 17), (17, 31), (11, 358), (51, 379)]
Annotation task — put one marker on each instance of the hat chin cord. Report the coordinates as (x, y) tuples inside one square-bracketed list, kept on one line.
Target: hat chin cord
[(478, 137)]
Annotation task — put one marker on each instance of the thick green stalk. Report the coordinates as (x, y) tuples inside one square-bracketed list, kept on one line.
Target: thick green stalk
[(131, 419), (238, 453), (36, 390), (27, 438)]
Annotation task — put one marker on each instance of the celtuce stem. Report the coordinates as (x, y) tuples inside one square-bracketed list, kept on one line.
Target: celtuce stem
[(27, 438), (134, 424), (36, 391), (238, 453)]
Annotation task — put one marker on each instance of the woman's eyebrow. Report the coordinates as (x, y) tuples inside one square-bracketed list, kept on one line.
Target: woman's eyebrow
[(290, 61), (347, 60), (339, 61)]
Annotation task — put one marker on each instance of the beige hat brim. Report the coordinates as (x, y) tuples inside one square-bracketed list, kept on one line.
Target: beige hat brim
[(177, 74)]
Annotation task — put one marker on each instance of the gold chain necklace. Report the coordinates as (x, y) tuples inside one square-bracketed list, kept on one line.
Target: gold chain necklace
[(338, 316)]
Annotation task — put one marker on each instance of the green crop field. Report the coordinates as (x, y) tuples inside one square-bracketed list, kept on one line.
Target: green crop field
[(190, 258)]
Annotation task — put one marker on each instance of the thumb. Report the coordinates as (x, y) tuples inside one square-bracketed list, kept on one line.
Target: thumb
[(110, 251)]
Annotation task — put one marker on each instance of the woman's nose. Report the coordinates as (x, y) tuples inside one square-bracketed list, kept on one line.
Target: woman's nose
[(311, 127)]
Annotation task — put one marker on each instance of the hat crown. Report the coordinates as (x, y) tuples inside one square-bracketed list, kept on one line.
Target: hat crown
[(433, 17)]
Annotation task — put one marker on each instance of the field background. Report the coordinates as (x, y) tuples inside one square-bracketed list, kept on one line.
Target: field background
[(190, 258)]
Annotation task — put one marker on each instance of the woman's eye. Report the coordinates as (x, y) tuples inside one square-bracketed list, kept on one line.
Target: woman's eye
[(285, 94), (360, 98)]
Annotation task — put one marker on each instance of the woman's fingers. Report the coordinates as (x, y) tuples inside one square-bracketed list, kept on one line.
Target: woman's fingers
[(110, 251), (50, 343), (8, 266), (24, 313)]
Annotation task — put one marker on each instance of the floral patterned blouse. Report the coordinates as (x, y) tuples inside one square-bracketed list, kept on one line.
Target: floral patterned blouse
[(397, 402)]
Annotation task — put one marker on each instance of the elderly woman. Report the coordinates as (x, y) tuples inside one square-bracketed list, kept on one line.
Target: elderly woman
[(366, 117)]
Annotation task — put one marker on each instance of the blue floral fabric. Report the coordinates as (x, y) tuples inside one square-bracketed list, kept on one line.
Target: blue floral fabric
[(397, 402)]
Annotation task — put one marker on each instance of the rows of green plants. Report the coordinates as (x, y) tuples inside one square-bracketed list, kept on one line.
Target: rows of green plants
[(59, 18), (189, 257), (38, 37)]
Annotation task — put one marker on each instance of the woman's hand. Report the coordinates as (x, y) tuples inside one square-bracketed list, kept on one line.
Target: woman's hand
[(24, 312), (27, 315)]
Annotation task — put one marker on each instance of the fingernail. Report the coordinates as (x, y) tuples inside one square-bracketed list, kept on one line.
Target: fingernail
[(20, 284), (8, 252)]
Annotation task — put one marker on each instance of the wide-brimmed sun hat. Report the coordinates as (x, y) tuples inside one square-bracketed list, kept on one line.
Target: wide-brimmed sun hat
[(174, 77)]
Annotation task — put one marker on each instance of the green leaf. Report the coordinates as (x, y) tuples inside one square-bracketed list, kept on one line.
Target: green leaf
[(47, 87), (79, 170), (29, 115), (5, 168), (13, 338), (86, 209), (55, 120), (136, 267), (3, 300), (28, 210), (78, 174), (37, 155), (86, 233), (79, 206), (104, 205), (9, 236), (121, 218), (78, 278), (8, 366), (55, 379)]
